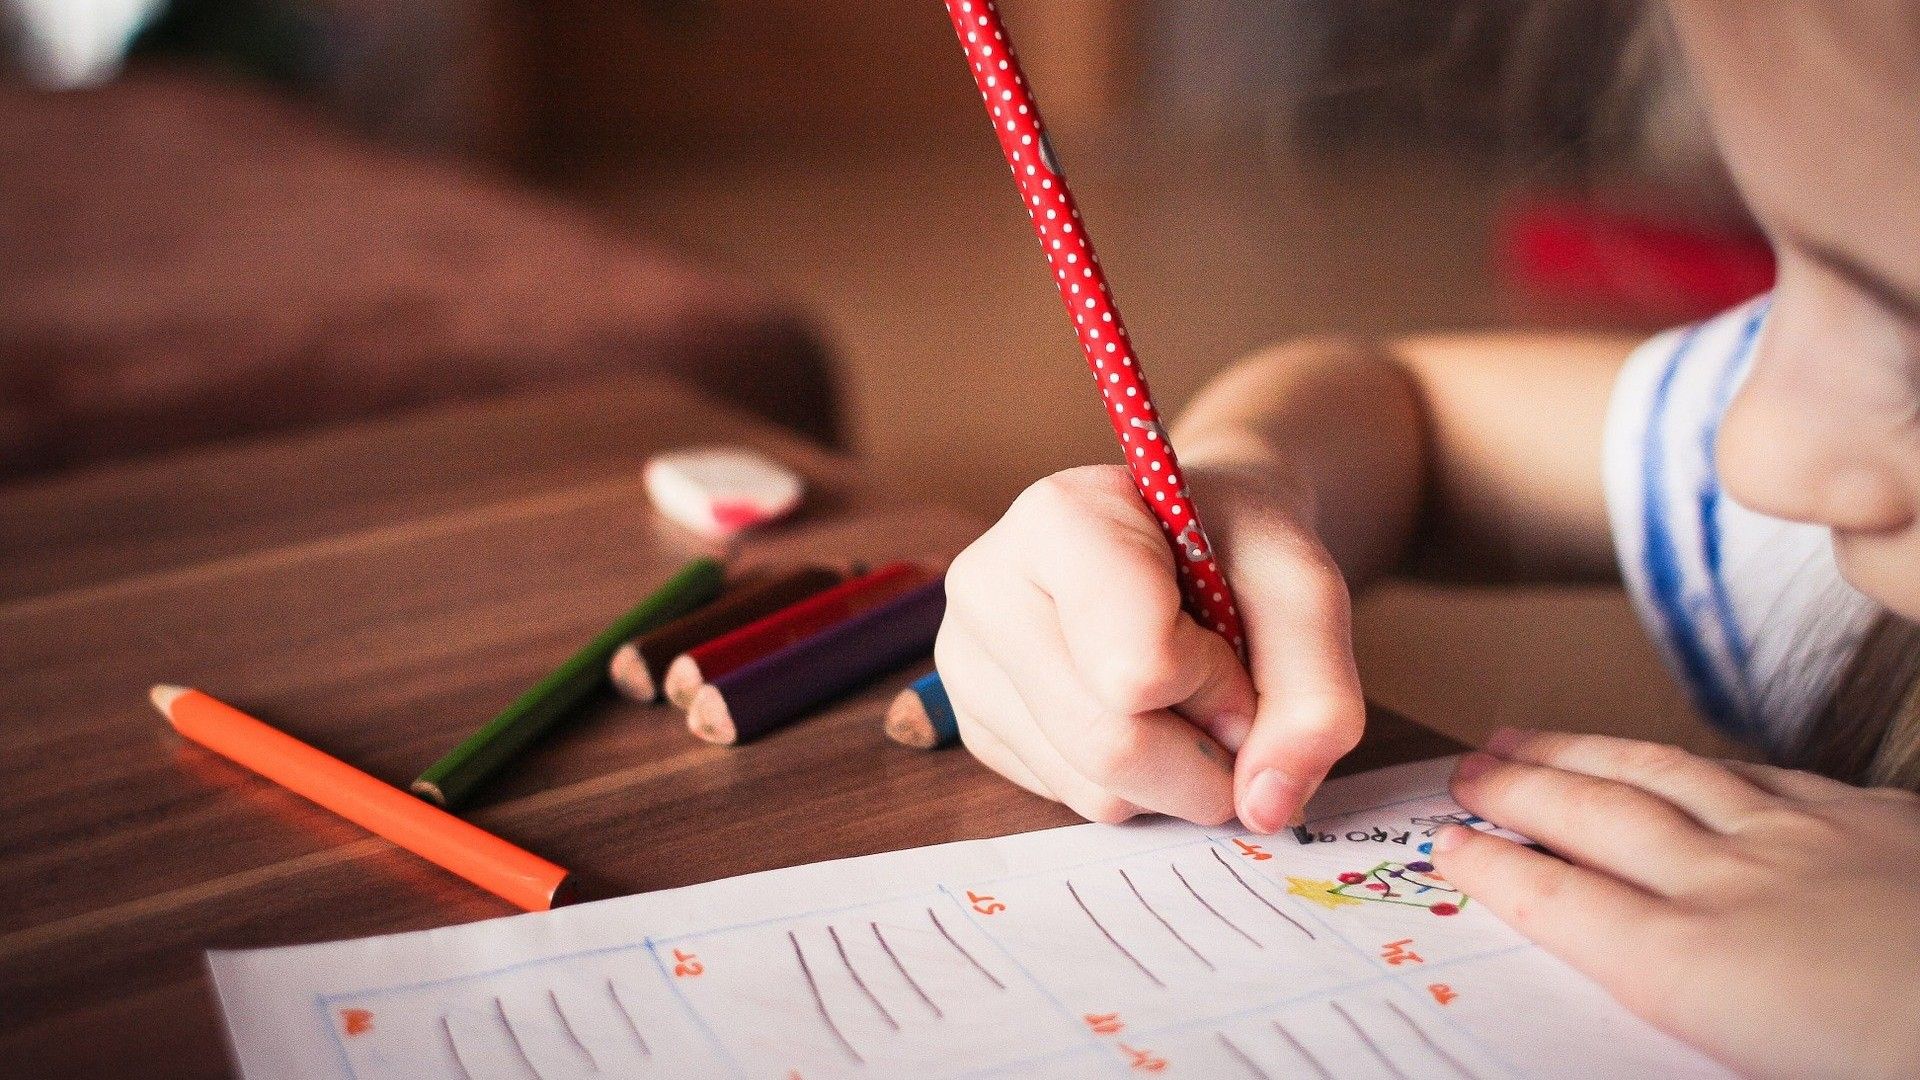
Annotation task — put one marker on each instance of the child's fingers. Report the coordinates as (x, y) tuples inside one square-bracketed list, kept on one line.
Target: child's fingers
[(1310, 711), (1582, 916), (1110, 575), (1222, 700), (1109, 722), (1790, 783), (1612, 826), (1005, 738), (967, 676), (1154, 759), (1706, 789), (994, 754)]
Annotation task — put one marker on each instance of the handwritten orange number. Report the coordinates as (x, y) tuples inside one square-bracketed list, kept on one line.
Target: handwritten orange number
[(1396, 953), (686, 965), (1253, 851), (356, 1021), (985, 905), (1145, 1060), (1104, 1023), (1442, 993)]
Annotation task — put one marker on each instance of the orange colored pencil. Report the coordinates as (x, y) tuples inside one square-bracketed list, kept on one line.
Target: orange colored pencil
[(433, 834)]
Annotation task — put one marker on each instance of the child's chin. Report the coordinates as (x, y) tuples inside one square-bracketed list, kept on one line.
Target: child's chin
[(1885, 566)]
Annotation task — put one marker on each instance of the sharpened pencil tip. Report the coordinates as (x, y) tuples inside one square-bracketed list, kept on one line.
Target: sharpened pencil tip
[(163, 695)]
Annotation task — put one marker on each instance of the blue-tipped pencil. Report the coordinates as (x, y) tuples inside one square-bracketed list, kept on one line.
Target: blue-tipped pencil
[(922, 717)]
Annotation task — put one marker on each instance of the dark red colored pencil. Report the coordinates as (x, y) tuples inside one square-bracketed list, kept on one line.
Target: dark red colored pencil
[(776, 690), (733, 651)]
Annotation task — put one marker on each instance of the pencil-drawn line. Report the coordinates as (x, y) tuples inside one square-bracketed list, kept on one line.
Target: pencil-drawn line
[(1111, 940), (962, 950), (841, 948), (446, 1027), (1162, 920), (1211, 910), (1090, 1043), (633, 1025), (1255, 893), (1419, 1032), (820, 1003), (514, 1036), (566, 1025), (1367, 1040), (1301, 1049), (1253, 1068), (902, 969)]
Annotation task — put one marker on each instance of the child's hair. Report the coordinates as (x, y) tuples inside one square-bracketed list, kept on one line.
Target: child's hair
[(1868, 731)]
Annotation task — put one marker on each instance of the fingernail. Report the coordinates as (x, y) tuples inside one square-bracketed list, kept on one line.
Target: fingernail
[(1272, 799), (1449, 837), (1474, 765), (1504, 741)]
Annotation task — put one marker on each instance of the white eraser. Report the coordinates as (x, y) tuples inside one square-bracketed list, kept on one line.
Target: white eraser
[(721, 491)]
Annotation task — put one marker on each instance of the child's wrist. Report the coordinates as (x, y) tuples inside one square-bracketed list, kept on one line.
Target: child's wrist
[(1233, 487)]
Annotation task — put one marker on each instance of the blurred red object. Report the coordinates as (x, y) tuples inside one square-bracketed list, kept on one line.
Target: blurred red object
[(1633, 265)]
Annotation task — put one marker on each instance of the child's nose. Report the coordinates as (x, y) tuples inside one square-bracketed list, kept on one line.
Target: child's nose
[(1792, 457)]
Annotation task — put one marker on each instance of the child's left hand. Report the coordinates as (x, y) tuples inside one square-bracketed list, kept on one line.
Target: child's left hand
[(1769, 917)]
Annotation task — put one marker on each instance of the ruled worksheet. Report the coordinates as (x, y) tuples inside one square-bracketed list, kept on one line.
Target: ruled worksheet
[(1157, 948)]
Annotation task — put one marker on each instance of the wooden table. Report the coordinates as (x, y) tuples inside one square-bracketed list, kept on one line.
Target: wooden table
[(378, 590)]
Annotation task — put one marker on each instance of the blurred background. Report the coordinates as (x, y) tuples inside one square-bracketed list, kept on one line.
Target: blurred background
[(221, 218)]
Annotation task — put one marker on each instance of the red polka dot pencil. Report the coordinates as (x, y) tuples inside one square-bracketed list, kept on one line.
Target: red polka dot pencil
[(1083, 287)]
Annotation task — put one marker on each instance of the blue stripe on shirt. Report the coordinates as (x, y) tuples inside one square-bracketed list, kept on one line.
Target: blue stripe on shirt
[(1665, 584), (1710, 549)]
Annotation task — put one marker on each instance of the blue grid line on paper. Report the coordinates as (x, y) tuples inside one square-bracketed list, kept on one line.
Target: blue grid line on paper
[(1435, 1010), (1041, 988), (1397, 977), (1005, 1068), (1185, 1027), (326, 1024), (692, 1013)]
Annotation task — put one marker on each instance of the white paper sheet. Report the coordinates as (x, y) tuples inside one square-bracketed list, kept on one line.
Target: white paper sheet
[(1160, 948)]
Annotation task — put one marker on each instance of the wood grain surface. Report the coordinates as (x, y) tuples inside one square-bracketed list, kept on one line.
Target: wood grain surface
[(379, 591)]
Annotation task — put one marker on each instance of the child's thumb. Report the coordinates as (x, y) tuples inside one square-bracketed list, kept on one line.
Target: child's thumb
[(1310, 710)]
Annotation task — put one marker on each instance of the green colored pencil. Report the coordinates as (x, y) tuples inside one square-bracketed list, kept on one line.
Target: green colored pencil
[(453, 778)]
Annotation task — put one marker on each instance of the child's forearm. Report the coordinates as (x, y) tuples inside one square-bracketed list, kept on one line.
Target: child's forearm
[(1468, 456), (1335, 428)]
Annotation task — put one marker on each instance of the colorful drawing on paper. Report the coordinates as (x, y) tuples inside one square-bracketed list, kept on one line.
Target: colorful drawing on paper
[(1324, 893), (1414, 884)]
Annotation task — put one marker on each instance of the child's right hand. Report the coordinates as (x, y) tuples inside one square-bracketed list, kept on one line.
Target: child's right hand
[(1074, 672)]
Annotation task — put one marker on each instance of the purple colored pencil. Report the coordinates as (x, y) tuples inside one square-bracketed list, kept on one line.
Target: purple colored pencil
[(777, 689)]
